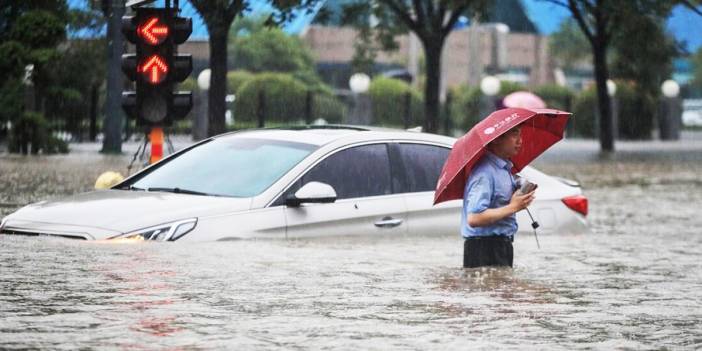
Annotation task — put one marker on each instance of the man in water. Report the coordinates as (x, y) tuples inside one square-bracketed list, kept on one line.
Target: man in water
[(490, 202)]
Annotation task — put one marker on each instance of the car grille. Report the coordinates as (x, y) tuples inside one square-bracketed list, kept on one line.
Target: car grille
[(26, 233)]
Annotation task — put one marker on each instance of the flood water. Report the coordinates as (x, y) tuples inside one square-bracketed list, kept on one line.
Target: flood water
[(634, 282)]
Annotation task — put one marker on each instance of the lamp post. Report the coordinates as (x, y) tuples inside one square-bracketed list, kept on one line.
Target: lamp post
[(200, 118), (670, 112), (361, 111), (489, 86), (614, 106)]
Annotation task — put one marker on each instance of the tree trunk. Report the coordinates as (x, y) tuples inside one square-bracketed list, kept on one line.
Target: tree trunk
[(112, 143), (218, 80), (603, 99), (432, 53), (94, 91)]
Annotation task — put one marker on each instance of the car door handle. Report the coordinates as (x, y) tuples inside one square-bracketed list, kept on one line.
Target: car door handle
[(388, 222)]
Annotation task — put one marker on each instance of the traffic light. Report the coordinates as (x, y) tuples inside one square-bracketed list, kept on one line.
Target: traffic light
[(156, 67)]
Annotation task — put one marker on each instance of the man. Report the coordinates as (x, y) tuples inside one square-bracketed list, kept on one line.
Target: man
[(490, 202)]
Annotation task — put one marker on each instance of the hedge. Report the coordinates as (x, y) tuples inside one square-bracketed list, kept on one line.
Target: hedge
[(388, 98)]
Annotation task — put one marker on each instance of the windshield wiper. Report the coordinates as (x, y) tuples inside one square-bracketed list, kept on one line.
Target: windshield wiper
[(179, 191)]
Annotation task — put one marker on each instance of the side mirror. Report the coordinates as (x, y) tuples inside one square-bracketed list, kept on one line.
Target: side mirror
[(312, 192)]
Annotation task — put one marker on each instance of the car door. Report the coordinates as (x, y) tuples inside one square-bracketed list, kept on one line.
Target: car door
[(422, 164), (366, 203)]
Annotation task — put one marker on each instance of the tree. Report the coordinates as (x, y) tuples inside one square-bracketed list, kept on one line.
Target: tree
[(600, 20), (569, 45), (431, 21), (697, 69), (218, 16)]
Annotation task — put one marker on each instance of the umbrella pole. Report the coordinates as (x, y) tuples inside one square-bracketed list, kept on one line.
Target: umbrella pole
[(534, 224)]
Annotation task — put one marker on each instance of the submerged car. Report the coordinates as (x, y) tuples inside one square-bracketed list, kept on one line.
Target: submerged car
[(288, 183)]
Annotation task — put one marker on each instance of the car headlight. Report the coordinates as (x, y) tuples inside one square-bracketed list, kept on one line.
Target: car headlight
[(164, 232)]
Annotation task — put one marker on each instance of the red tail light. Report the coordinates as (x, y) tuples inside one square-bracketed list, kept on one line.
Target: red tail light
[(577, 203)]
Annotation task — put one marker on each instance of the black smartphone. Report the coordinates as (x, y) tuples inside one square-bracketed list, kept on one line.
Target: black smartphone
[(527, 186)]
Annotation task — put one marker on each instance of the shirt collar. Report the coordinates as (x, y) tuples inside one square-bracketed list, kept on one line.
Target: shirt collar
[(498, 161)]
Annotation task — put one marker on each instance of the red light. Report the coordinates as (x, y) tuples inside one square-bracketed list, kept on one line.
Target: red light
[(155, 69), (151, 32), (577, 203)]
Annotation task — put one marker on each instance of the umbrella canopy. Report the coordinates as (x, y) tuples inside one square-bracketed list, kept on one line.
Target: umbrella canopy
[(541, 128), (523, 99)]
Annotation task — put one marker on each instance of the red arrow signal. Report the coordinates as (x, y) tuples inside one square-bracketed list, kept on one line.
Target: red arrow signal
[(153, 33), (155, 69)]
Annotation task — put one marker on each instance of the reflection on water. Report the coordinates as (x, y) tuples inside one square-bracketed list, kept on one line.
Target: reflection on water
[(635, 282)]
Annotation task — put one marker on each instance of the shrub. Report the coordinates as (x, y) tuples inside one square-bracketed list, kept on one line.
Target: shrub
[(465, 106), (585, 114), (555, 96), (637, 110), (30, 133), (235, 79), (284, 101), (388, 98)]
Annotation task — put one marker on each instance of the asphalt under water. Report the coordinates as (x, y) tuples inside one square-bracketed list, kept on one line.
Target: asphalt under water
[(634, 282)]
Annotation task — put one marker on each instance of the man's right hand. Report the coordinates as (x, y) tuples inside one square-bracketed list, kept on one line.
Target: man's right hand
[(520, 201)]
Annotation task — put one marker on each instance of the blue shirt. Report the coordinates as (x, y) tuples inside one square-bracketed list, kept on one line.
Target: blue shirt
[(490, 185)]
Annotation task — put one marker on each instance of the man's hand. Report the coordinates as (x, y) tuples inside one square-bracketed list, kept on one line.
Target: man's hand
[(520, 201)]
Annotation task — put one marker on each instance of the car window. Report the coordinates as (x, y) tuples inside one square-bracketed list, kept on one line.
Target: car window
[(423, 164), (355, 172), (234, 166)]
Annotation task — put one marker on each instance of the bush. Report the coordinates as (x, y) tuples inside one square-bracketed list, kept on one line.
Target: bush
[(637, 110), (507, 87), (555, 96), (465, 106), (636, 113), (285, 101), (585, 114), (388, 100), (30, 133), (235, 79)]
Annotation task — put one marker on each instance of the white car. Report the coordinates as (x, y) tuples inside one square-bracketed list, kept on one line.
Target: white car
[(287, 183)]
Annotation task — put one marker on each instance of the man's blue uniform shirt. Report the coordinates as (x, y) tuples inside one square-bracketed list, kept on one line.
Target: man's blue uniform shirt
[(490, 185)]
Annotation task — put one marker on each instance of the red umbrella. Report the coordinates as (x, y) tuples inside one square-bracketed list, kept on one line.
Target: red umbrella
[(541, 128)]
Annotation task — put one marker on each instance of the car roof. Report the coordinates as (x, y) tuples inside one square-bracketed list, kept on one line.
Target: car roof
[(325, 134)]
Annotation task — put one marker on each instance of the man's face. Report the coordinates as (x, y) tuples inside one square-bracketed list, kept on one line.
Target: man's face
[(508, 145)]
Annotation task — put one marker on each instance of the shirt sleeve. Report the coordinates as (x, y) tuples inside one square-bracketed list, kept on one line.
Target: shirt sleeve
[(478, 193)]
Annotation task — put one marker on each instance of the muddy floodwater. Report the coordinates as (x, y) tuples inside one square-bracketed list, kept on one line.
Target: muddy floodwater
[(634, 282)]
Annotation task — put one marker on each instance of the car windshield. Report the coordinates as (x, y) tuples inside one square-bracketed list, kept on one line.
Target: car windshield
[(235, 166)]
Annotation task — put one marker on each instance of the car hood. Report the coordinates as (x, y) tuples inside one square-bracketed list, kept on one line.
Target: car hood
[(119, 211)]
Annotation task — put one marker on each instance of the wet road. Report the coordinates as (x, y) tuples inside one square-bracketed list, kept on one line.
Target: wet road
[(635, 282)]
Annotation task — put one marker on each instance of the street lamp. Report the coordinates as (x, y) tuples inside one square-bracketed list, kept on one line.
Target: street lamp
[(611, 87), (489, 86), (359, 84), (614, 107), (200, 119), (670, 113)]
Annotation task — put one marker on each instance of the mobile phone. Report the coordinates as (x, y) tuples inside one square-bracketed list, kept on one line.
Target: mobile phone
[(527, 186)]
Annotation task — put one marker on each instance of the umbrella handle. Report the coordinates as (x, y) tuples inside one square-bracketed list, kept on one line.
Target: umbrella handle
[(534, 224)]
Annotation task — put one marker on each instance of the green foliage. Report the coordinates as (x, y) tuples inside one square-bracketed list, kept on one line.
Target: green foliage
[(11, 99), (236, 79), (635, 119), (284, 101), (270, 49), (508, 87), (389, 96), (30, 133), (555, 96), (569, 45), (465, 107), (637, 109), (697, 69), (585, 114)]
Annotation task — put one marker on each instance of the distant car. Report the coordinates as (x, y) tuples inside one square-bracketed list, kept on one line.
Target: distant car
[(287, 183)]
